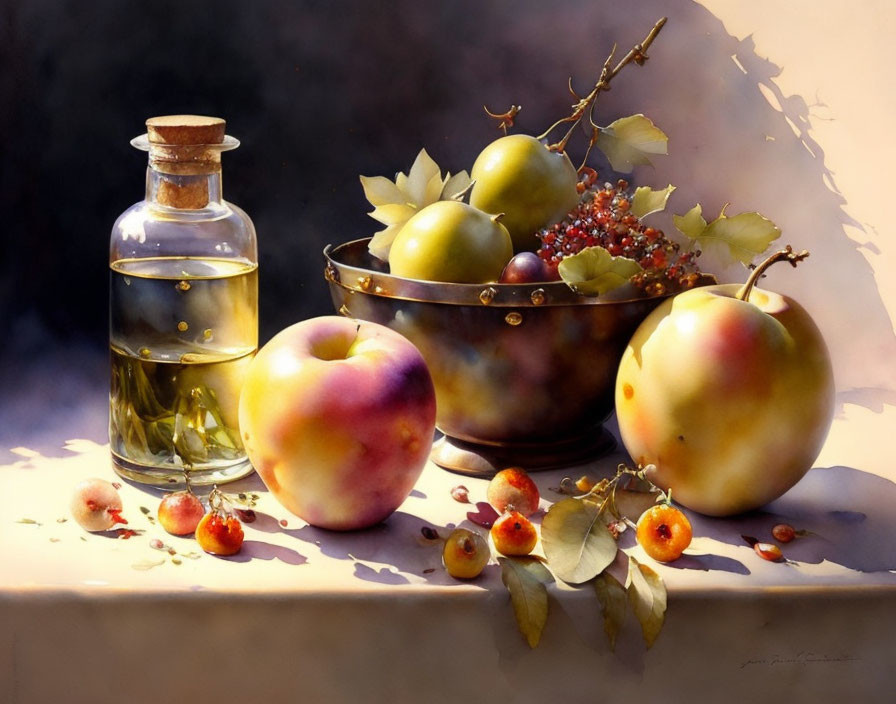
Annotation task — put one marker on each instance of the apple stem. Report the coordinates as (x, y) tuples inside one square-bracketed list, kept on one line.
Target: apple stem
[(787, 254)]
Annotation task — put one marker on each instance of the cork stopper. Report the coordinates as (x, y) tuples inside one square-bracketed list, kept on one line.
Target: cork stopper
[(183, 149), (185, 130)]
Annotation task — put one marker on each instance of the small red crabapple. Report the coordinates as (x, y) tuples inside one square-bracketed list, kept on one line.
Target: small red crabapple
[(512, 489), (180, 512)]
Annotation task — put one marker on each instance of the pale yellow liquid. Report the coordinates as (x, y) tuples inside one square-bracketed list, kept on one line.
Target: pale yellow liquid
[(182, 334)]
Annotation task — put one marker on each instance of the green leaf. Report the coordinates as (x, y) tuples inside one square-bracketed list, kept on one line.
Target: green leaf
[(577, 543), (613, 603), (739, 238), (525, 579), (647, 595), (691, 224), (647, 201), (744, 236), (594, 271), (628, 141)]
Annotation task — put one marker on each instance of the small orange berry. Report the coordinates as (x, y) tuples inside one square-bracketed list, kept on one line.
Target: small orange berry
[(664, 532), (514, 534), (219, 534)]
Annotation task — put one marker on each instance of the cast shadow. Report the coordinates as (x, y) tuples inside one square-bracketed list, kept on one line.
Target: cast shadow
[(734, 137), (258, 550), (397, 544), (848, 513)]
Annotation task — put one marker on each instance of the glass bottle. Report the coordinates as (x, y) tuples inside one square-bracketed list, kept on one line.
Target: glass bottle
[(183, 312)]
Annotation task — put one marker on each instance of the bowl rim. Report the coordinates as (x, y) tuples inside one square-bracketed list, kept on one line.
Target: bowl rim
[(373, 282)]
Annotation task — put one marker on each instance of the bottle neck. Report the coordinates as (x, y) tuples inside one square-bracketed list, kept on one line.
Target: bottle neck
[(182, 191)]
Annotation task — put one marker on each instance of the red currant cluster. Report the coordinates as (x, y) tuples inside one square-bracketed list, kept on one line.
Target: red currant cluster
[(603, 218)]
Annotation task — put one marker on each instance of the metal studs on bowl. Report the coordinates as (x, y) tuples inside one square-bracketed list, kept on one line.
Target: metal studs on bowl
[(343, 310), (513, 318), (537, 297), (365, 282), (487, 295), (331, 273)]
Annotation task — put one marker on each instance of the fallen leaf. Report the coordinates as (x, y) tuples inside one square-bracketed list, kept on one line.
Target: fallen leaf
[(525, 579), (577, 543), (647, 595), (613, 603)]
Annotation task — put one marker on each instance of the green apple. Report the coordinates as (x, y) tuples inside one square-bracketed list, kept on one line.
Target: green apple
[(728, 391), (453, 242), (533, 186)]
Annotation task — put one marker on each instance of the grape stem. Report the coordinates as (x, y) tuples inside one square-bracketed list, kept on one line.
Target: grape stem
[(787, 254), (585, 106)]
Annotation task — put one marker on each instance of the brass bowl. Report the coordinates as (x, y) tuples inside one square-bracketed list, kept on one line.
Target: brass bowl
[(524, 373)]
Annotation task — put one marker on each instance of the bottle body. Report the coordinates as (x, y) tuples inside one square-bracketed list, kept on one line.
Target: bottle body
[(183, 328)]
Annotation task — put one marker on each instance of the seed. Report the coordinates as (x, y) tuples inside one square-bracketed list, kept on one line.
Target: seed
[(246, 515), (461, 494), (783, 532), (429, 533), (768, 551)]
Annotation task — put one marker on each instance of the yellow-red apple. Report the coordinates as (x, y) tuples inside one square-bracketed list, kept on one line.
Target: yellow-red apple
[(337, 416), (728, 391)]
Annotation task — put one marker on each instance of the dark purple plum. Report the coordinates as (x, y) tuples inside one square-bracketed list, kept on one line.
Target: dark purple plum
[(524, 268)]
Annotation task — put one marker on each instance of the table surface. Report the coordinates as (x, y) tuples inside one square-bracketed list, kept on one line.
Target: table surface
[(845, 502), (79, 599)]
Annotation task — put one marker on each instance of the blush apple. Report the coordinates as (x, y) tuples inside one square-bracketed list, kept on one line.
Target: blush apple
[(728, 392), (337, 416)]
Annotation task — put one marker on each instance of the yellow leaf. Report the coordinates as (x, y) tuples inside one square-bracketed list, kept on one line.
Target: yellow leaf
[(646, 200), (691, 224), (525, 579), (380, 191), (455, 184), (422, 172), (594, 271), (381, 242), (613, 602), (743, 236), (628, 141), (393, 213), (577, 543), (647, 596)]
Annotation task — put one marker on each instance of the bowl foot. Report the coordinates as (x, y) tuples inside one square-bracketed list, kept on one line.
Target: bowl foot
[(478, 460)]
